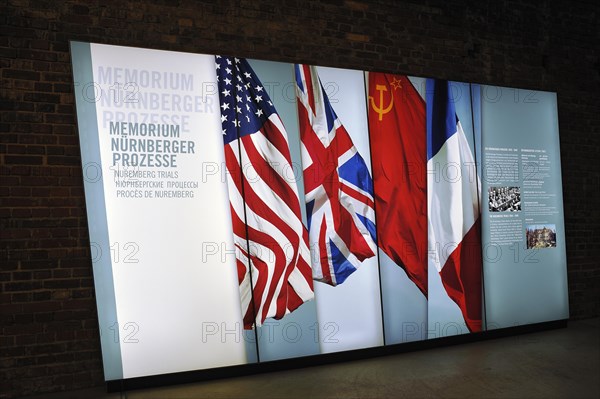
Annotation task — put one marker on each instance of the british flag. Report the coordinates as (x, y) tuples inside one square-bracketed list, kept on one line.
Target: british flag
[(337, 183), (273, 258)]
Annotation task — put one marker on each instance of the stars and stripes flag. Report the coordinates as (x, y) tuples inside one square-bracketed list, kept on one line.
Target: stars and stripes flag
[(273, 259), (454, 233), (337, 183)]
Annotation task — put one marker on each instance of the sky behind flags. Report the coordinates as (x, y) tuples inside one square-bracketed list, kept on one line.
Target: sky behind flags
[(272, 252)]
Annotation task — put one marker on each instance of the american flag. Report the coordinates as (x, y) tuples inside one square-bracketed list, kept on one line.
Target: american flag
[(273, 259), (337, 183)]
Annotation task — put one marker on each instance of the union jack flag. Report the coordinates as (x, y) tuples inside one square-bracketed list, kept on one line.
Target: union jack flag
[(337, 183), (273, 259)]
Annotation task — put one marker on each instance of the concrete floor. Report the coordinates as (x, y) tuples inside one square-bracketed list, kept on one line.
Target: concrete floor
[(563, 363)]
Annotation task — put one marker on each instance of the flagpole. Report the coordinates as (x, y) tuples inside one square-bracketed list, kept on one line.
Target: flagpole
[(366, 87), (483, 310), (237, 131)]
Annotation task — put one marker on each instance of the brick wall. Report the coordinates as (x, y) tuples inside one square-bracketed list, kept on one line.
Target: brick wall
[(49, 329)]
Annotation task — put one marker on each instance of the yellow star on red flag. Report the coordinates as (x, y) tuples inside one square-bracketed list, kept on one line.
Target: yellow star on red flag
[(396, 83)]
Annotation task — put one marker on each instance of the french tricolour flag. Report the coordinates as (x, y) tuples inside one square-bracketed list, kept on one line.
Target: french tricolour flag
[(453, 192)]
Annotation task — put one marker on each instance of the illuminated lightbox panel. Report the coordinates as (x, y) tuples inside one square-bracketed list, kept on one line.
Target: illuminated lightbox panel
[(244, 211)]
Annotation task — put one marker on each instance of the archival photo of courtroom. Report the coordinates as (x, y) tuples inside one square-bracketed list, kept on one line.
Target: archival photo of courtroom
[(504, 199)]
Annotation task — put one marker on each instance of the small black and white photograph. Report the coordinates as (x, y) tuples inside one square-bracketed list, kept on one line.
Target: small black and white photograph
[(504, 199), (540, 236)]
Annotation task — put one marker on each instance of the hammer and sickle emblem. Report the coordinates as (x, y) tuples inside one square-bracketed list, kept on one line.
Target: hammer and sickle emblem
[(380, 108)]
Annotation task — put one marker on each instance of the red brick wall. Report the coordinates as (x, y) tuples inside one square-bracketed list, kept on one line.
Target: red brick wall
[(49, 327)]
